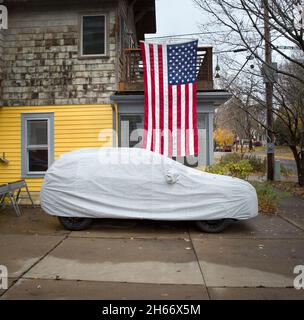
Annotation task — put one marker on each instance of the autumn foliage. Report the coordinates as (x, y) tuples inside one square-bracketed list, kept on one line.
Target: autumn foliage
[(223, 137)]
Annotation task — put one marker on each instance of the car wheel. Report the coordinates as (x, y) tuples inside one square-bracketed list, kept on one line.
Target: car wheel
[(75, 224), (213, 226)]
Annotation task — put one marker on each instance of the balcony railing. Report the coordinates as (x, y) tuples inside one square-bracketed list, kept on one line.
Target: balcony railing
[(132, 70)]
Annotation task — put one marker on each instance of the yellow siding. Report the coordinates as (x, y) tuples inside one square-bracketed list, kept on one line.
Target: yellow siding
[(75, 127)]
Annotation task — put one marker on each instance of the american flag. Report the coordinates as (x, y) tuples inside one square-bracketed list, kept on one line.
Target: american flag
[(170, 98)]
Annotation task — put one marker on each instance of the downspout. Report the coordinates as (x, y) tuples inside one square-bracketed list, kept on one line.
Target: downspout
[(115, 124)]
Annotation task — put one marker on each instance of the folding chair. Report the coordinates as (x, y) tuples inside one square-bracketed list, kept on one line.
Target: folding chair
[(13, 191), (3, 194)]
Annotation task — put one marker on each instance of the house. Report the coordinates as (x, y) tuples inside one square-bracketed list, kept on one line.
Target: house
[(71, 78)]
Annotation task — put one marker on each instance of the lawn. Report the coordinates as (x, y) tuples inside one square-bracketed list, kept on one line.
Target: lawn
[(281, 152)]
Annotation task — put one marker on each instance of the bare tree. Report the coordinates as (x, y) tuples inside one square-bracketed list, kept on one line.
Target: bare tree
[(243, 22), (235, 115), (290, 114)]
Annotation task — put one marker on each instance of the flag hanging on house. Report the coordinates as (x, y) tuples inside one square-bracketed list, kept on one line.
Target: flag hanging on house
[(170, 98)]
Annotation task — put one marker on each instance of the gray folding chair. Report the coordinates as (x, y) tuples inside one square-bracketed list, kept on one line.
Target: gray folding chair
[(3, 194), (13, 191)]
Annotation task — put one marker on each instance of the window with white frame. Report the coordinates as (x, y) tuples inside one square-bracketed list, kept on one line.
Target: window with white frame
[(93, 35), (37, 143)]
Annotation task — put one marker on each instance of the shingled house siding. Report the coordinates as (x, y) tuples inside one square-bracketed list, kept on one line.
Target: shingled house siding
[(126, 12), (41, 58)]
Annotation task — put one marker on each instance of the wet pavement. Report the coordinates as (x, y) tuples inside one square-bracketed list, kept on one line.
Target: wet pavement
[(133, 259)]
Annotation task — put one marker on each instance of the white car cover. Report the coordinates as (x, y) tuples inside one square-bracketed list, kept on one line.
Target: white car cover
[(137, 183)]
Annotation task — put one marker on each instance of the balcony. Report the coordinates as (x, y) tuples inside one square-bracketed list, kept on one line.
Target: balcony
[(132, 70)]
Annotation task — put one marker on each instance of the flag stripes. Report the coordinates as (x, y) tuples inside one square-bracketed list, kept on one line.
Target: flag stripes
[(170, 110)]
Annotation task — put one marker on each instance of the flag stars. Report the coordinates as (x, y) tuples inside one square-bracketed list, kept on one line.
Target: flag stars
[(182, 63)]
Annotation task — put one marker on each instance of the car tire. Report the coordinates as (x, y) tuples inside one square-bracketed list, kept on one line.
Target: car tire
[(213, 226), (75, 224)]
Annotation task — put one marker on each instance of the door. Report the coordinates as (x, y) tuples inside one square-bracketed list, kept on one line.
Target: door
[(131, 130)]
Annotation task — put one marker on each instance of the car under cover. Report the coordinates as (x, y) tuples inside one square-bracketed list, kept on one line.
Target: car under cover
[(137, 183)]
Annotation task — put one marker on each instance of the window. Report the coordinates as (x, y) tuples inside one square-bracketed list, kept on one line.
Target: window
[(131, 131), (37, 143), (93, 35)]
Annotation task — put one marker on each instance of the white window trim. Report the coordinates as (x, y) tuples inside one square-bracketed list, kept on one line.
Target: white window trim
[(25, 172), (105, 54)]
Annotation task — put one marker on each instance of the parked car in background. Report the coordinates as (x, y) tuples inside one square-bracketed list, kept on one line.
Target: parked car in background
[(227, 148), (219, 149), (125, 183), (257, 144), (245, 142)]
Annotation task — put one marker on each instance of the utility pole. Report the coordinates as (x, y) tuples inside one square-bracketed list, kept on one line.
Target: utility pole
[(269, 93)]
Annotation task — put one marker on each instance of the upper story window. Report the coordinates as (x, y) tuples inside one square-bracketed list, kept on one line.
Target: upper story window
[(93, 35)]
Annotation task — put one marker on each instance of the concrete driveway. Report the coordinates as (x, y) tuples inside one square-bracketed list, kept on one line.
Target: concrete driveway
[(150, 260)]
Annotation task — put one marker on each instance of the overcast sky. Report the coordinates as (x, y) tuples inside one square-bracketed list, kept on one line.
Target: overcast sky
[(177, 17)]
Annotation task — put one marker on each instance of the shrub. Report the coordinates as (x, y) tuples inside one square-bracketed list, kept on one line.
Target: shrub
[(268, 197), (217, 169), (230, 157), (257, 164), (240, 169)]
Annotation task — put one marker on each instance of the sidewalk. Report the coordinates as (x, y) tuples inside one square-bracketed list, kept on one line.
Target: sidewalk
[(152, 260)]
